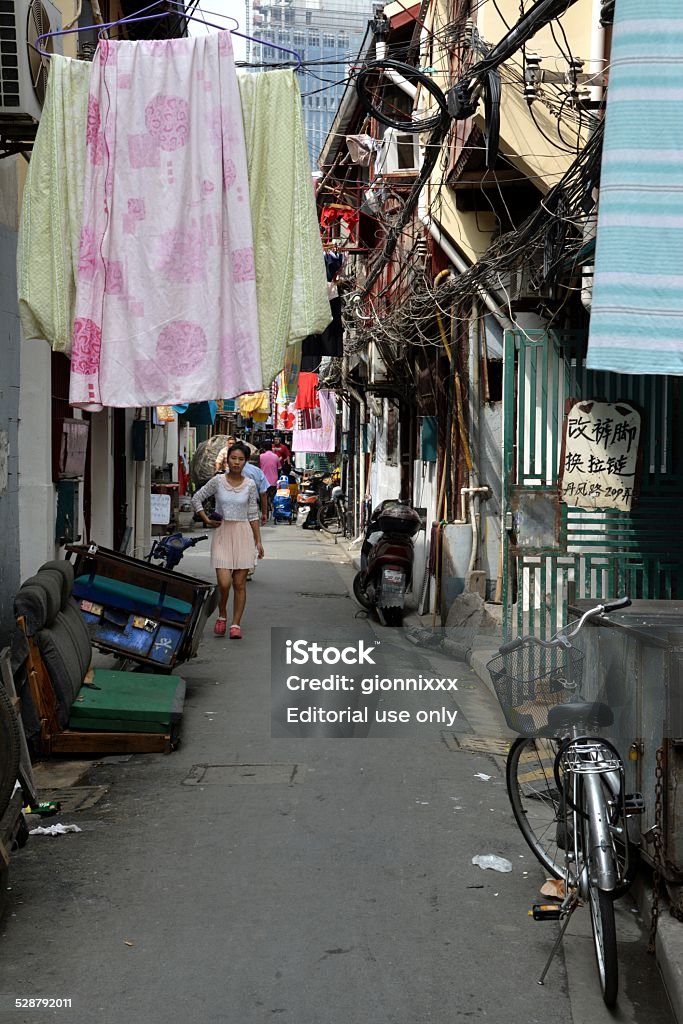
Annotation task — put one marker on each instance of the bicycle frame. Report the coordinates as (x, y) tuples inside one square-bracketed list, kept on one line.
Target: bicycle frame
[(590, 804)]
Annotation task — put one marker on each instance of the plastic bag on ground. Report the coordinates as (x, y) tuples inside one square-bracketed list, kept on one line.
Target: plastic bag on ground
[(490, 860)]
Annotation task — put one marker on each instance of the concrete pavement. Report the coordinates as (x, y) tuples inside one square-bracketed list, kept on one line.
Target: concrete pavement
[(318, 881)]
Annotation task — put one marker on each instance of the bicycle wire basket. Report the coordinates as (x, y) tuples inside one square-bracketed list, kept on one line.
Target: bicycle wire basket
[(532, 679)]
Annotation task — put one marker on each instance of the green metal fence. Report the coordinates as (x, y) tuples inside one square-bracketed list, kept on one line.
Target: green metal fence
[(553, 552)]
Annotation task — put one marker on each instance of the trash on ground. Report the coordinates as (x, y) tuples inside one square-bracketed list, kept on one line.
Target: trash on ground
[(490, 860), (482, 776), (45, 808), (554, 887), (54, 830)]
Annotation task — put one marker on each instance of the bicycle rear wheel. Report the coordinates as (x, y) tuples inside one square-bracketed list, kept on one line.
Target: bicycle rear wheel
[(535, 800), (330, 519), (386, 101)]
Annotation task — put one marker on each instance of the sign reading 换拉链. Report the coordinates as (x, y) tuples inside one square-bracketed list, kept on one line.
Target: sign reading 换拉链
[(600, 455)]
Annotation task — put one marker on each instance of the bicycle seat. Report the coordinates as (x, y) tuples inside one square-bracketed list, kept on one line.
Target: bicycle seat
[(563, 716)]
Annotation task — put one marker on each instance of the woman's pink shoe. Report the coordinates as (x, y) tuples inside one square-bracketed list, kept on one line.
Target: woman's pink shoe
[(219, 627), (235, 633)]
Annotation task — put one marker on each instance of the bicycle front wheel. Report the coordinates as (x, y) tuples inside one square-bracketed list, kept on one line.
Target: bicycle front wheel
[(536, 802), (388, 103), (330, 519), (604, 941)]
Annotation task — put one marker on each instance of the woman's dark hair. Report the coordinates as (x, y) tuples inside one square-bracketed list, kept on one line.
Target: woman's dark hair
[(243, 448), (238, 447), (267, 446)]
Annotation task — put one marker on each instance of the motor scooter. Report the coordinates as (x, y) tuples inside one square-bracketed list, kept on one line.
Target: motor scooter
[(309, 499), (386, 560), (170, 549)]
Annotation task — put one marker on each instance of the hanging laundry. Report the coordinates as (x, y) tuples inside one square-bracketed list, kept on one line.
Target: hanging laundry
[(255, 407), (225, 406), (636, 323), (166, 304), (288, 379), (307, 396), (322, 439), (288, 252), (52, 207), (328, 344), (284, 417), (309, 419)]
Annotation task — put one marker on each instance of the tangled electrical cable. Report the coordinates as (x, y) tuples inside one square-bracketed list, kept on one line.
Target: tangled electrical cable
[(547, 243)]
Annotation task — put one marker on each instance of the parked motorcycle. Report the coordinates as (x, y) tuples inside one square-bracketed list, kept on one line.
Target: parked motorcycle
[(170, 549), (312, 493), (386, 560)]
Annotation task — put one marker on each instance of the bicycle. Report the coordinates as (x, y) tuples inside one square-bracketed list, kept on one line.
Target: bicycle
[(332, 514), (566, 785)]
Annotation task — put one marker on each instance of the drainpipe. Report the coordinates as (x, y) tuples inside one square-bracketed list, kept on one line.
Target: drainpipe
[(492, 304), (393, 76), (357, 395), (475, 493)]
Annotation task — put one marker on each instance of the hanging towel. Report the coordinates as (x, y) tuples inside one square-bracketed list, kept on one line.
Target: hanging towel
[(636, 321), (288, 252), (166, 303), (52, 206), (322, 439)]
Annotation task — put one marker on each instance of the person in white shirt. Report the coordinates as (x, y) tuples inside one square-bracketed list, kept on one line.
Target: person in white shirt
[(237, 533)]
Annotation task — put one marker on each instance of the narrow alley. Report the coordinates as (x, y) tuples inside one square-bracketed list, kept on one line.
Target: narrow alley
[(244, 879)]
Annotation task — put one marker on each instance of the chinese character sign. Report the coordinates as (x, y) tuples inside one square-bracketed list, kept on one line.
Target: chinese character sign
[(600, 455)]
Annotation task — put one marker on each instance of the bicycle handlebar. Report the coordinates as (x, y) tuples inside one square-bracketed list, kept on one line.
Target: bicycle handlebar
[(612, 606), (562, 640)]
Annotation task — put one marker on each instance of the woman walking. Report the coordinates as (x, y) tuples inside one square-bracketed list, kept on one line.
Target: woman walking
[(232, 546)]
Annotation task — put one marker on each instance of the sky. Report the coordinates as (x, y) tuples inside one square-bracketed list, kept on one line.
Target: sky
[(231, 8)]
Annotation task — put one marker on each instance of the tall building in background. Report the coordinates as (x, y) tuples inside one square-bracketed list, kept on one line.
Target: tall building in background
[(328, 31)]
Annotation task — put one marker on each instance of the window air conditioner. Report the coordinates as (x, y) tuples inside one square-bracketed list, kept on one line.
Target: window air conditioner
[(23, 71), (399, 151)]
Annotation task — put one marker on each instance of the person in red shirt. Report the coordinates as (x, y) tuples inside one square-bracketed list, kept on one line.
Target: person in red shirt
[(283, 453)]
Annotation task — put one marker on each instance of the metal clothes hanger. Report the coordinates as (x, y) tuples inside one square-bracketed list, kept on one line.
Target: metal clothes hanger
[(233, 31), (179, 12)]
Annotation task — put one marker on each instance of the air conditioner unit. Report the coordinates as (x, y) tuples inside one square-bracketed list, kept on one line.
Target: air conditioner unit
[(23, 71), (526, 286), (399, 151)]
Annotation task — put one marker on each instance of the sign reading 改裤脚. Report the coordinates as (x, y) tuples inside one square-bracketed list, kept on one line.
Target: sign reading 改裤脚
[(600, 455)]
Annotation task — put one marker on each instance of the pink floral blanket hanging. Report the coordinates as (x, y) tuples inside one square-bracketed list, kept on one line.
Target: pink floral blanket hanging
[(166, 295)]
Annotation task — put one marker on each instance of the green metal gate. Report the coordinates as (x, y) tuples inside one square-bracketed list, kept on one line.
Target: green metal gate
[(552, 552)]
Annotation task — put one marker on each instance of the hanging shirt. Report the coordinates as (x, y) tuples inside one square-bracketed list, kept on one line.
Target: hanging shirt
[(307, 396)]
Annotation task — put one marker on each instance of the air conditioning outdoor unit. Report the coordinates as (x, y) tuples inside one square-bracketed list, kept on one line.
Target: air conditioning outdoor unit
[(23, 71), (399, 151)]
